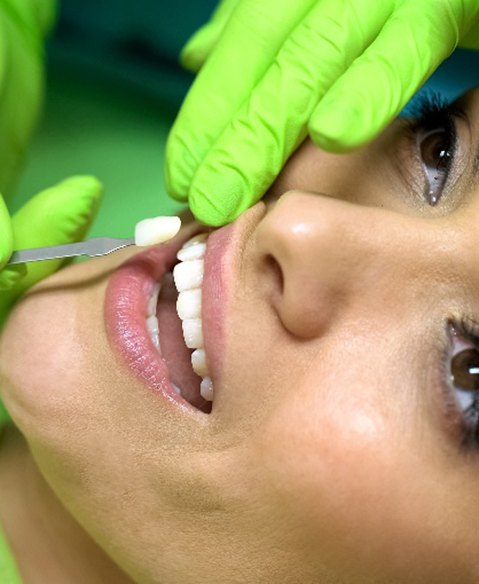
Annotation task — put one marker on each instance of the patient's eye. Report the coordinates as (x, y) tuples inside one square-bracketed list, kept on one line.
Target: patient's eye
[(435, 139), (464, 377), (436, 149)]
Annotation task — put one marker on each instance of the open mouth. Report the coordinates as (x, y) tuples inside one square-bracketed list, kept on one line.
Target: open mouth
[(154, 316), (175, 326)]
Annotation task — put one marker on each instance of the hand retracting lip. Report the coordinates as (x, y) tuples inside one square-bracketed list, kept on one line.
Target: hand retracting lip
[(147, 232)]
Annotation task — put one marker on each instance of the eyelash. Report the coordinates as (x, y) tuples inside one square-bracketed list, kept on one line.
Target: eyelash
[(469, 428), (430, 111)]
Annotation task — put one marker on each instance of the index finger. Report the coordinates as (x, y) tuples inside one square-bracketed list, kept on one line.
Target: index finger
[(251, 39)]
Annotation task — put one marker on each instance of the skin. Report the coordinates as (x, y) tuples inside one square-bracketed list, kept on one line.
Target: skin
[(339, 462)]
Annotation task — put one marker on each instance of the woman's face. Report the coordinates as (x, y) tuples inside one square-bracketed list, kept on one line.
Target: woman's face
[(340, 318)]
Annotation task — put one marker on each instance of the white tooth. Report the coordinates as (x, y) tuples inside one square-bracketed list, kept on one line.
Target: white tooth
[(206, 389), (188, 275), (200, 238), (192, 252), (188, 304), (193, 333), (156, 230), (198, 360), (152, 326), (152, 303)]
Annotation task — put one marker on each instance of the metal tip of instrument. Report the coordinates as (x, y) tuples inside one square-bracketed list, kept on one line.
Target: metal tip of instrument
[(97, 246)]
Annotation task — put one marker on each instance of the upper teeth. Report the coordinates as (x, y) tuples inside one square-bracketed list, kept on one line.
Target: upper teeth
[(188, 277)]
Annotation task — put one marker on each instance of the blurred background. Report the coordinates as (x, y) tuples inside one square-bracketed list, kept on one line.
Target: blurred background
[(114, 86)]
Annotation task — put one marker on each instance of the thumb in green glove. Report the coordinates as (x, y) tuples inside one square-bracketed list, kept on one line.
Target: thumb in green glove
[(60, 214), (340, 70)]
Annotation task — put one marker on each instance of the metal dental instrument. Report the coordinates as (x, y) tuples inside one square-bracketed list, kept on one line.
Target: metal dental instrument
[(98, 246), (147, 232)]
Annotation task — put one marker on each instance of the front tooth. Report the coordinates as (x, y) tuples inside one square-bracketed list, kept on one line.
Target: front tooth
[(206, 389), (188, 304), (193, 333), (188, 275), (198, 360), (192, 252)]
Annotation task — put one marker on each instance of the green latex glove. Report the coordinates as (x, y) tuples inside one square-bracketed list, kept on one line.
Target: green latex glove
[(58, 215), (276, 70), (23, 25)]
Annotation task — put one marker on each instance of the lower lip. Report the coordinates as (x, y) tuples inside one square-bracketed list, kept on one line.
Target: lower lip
[(125, 310)]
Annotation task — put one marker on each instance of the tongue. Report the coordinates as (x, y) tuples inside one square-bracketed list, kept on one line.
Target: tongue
[(175, 353)]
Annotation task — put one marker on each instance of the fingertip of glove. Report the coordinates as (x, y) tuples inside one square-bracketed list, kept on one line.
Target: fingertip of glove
[(333, 136), (195, 52), (67, 210), (214, 211), (84, 194)]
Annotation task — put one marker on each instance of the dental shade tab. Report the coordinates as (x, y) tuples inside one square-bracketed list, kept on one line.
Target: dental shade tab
[(156, 230)]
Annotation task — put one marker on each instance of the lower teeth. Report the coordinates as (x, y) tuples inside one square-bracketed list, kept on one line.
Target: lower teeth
[(206, 389)]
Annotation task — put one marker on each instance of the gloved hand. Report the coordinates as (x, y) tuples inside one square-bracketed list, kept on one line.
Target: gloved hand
[(23, 25), (276, 70), (59, 215)]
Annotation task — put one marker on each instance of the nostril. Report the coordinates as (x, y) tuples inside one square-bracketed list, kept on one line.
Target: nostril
[(274, 268)]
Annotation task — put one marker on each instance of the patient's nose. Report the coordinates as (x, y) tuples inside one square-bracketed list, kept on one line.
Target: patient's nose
[(330, 254)]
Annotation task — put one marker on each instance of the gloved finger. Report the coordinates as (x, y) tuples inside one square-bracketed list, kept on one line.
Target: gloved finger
[(407, 51), (250, 153), (252, 37), (60, 214), (20, 93), (203, 41), (6, 246)]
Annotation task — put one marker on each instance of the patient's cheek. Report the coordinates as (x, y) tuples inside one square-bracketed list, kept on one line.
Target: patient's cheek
[(40, 361)]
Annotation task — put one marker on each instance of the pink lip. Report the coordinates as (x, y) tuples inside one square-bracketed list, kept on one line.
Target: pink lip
[(131, 286), (215, 294), (125, 309)]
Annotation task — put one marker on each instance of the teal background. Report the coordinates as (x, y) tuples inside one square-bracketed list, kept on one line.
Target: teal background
[(113, 89)]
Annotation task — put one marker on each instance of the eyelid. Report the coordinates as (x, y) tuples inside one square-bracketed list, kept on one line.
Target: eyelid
[(461, 151), (456, 424)]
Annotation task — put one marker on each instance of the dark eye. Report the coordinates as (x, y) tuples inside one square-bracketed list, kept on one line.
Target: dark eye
[(436, 149), (464, 370)]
